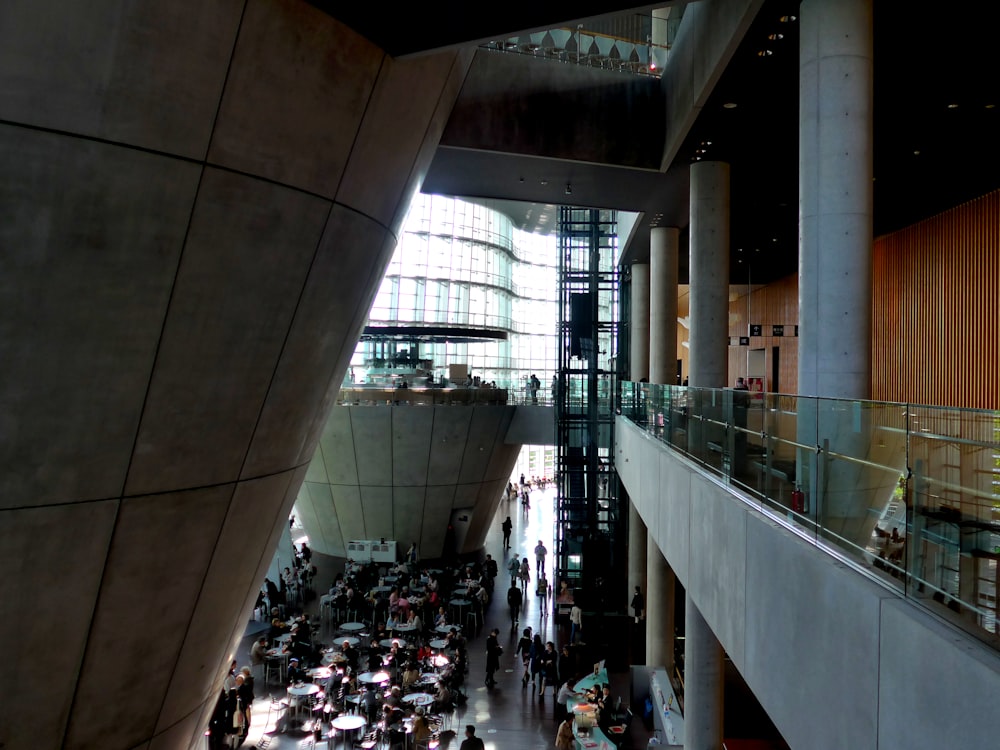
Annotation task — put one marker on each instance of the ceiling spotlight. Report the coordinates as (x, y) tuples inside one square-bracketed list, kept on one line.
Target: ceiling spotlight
[(569, 189), (764, 53), (953, 105), (545, 182), (990, 106), (775, 37), (729, 105), (787, 19), (916, 153)]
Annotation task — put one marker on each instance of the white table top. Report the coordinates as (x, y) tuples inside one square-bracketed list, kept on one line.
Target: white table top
[(348, 721), (352, 627), (460, 602), (419, 699), (320, 673), (306, 688), (438, 643), (374, 678)]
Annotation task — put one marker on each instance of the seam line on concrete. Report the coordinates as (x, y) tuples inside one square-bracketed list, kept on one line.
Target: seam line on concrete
[(181, 158), (225, 80), (90, 628)]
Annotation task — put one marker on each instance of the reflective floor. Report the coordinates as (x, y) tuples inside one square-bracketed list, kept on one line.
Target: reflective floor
[(505, 716)]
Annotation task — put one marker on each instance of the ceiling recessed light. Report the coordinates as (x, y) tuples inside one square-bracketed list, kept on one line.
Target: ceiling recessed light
[(916, 153), (787, 19), (775, 37), (953, 106), (990, 106), (730, 105), (545, 182), (764, 53)]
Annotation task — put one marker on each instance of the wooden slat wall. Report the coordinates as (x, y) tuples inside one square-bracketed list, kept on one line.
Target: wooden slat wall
[(936, 297), (936, 331), (774, 304)]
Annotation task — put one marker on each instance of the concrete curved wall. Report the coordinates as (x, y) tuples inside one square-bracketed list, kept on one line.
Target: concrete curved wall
[(403, 472), (199, 199)]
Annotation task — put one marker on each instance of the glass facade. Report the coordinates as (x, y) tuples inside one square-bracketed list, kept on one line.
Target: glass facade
[(464, 267)]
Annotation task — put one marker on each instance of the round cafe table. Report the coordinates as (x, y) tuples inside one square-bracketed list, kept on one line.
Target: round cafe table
[(419, 699), (348, 723), (445, 629), (427, 678), (320, 673), (389, 642), (374, 678), (438, 643), (352, 627), (302, 691), (381, 589), (440, 660)]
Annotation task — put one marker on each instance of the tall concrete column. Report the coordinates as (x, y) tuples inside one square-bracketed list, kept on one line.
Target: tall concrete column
[(637, 535), (709, 333), (703, 683), (835, 198), (660, 581), (639, 324), (663, 245), (835, 254)]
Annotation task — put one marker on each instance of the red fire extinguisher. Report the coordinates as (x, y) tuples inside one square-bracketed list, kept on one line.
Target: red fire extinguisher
[(798, 500)]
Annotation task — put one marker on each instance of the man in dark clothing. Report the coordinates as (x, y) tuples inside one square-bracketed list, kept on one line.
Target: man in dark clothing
[(471, 742), (514, 600), (507, 526), (493, 652)]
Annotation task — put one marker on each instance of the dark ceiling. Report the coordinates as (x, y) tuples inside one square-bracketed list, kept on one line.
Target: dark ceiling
[(935, 128)]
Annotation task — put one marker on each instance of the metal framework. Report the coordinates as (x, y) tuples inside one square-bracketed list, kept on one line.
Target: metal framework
[(590, 526)]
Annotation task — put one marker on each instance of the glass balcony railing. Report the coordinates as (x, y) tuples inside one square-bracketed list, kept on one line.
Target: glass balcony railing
[(910, 493)]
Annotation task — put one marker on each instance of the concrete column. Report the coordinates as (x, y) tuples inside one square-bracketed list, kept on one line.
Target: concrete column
[(703, 683), (639, 324), (637, 535), (663, 245), (709, 333), (835, 198), (660, 581)]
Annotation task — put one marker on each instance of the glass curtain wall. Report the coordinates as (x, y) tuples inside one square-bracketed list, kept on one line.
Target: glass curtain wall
[(464, 265)]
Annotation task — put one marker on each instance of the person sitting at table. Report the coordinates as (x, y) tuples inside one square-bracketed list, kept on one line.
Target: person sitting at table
[(403, 603), (411, 674), (351, 655), (395, 697), (393, 622), (296, 674), (278, 629), (424, 652), (441, 618), (379, 632), (421, 727), (374, 656), (258, 652), (443, 700), (605, 709)]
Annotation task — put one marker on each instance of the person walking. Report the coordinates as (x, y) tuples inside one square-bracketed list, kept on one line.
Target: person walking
[(638, 605), (540, 553), (524, 650), (507, 527), (514, 600), (525, 574), (471, 742), (514, 568), (493, 653)]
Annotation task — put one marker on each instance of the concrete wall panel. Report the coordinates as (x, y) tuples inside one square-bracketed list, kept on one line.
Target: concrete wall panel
[(201, 435), (376, 506), (347, 505), (145, 582), (91, 236), (372, 432), (961, 673), (815, 640), (437, 510), (37, 545), (534, 426), (411, 446), (451, 428), (110, 69), (338, 290), (717, 581), (337, 449), (483, 431), (408, 512), (298, 77)]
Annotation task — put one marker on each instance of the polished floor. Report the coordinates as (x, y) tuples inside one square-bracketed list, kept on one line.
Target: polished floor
[(506, 716)]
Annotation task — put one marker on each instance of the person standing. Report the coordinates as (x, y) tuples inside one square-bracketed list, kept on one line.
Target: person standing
[(540, 553), (514, 600), (471, 742), (493, 654), (525, 574), (638, 605), (514, 568), (507, 527), (575, 622), (564, 737)]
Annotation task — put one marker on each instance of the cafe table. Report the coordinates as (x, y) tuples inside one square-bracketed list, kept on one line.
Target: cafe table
[(438, 643), (302, 690), (346, 723), (419, 699), (374, 678), (352, 627)]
